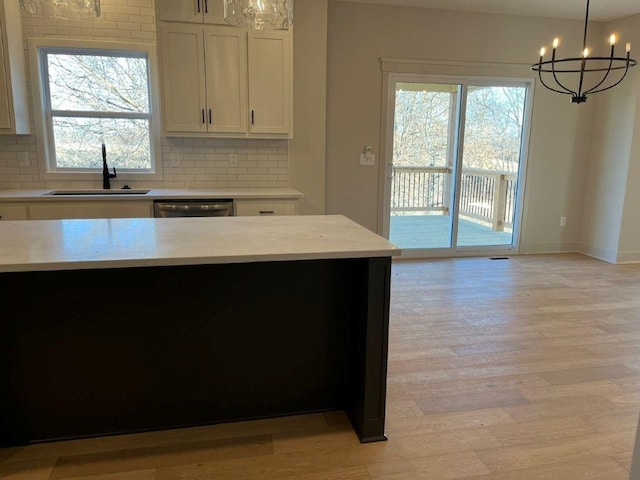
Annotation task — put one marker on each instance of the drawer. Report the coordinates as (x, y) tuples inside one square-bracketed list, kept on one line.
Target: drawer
[(265, 207), (13, 212), (96, 209)]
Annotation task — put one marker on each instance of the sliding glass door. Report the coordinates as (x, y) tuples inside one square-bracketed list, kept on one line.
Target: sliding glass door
[(456, 160)]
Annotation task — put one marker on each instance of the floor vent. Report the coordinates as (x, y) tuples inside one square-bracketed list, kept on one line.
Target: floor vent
[(498, 258)]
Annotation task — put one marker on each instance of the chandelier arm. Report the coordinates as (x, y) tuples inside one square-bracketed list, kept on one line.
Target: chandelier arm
[(555, 77), (604, 78), (565, 92), (611, 86), (583, 65)]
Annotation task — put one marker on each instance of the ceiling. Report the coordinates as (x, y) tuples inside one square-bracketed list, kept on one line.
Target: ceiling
[(600, 10)]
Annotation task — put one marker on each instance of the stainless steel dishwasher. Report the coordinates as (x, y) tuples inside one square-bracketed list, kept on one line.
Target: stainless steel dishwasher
[(192, 208)]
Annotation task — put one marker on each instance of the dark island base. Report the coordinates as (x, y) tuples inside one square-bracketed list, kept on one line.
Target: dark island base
[(97, 352)]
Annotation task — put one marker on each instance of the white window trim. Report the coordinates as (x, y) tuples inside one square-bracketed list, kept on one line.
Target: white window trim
[(45, 164)]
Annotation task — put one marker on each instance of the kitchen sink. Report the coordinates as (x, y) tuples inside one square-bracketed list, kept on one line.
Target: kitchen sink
[(63, 193)]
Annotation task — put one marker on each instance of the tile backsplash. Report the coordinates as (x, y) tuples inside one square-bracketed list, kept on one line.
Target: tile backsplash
[(186, 162)]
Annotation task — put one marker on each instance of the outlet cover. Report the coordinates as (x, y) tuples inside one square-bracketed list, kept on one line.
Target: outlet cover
[(23, 159), (233, 159), (176, 158)]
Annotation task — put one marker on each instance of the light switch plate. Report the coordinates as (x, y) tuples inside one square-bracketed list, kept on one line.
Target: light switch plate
[(367, 159)]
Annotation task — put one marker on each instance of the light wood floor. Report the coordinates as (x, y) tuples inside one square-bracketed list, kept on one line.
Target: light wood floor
[(527, 368)]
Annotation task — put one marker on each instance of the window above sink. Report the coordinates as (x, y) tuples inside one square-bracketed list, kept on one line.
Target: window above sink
[(88, 93)]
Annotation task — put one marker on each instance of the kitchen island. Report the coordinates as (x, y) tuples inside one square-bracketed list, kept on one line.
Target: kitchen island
[(124, 325)]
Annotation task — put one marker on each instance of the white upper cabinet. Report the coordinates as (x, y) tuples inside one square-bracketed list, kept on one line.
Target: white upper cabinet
[(204, 78), (183, 79), (225, 81), (14, 105), (193, 11), (270, 81)]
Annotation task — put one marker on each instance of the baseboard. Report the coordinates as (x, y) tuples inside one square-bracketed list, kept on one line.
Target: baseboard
[(628, 257), (597, 252), (540, 248)]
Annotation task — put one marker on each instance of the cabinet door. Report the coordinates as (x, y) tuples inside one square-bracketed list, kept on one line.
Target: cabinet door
[(193, 11), (184, 94), (96, 209), (14, 103), (270, 81), (226, 74), (13, 212), (214, 12), (180, 10), (5, 106), (266, 207)]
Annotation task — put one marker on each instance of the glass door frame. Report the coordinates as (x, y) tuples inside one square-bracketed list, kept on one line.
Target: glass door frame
[(390, 79)]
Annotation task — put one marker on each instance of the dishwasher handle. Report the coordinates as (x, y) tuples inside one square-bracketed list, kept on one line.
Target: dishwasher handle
[(172, 207), (175, 209)]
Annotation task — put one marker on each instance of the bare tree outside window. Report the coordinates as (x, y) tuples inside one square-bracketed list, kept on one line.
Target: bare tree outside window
[(493, 132), (492, 135), (94, 97)]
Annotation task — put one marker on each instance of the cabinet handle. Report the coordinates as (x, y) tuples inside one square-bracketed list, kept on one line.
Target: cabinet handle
[(203, 116), (209, 115), (199, 11), (253, 117), (206, 6), (267, 212)]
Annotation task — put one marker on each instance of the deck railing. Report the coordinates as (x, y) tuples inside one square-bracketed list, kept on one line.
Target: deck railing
[(485, 196)]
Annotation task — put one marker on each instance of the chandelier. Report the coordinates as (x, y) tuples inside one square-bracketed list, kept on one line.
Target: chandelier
[(68, 9), (259, 14), (558, 70)]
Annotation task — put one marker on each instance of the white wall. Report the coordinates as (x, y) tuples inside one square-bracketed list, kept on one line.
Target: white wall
[(611, 226), (307, 148), (629, 245), (360, 34)]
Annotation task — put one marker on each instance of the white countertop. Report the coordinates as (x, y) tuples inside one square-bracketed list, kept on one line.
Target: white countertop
[(154, 194), (137, 242)]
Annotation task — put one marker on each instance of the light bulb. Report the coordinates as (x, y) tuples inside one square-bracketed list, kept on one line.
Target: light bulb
[(556, 42), (612, 39), (585, 53), (628, 47), (543, 51)]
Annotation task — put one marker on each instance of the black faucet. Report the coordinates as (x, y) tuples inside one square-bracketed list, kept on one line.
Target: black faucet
[(105, 170)]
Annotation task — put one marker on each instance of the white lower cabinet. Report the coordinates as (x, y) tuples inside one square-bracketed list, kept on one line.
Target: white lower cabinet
[(266, 207), (98, 209), (58, 210), (13, 212)]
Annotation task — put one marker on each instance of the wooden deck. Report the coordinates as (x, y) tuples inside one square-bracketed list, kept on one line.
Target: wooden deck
[(433, 231)]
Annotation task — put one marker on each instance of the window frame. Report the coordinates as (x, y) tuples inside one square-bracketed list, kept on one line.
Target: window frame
[(44, 115)]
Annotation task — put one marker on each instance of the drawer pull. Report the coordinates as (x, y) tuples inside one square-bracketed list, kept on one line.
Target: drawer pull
[(267, 212), (199, 11)]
